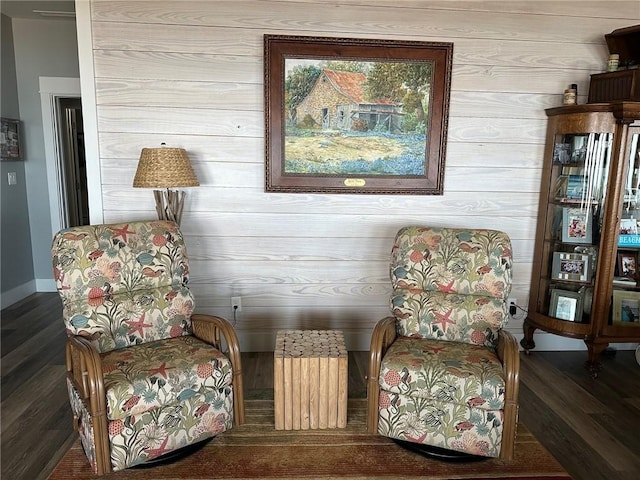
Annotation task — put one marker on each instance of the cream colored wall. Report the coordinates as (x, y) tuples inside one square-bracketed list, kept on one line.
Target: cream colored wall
[(191, 74)]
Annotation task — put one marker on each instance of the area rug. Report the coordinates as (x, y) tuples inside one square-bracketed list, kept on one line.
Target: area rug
[(257, 451)]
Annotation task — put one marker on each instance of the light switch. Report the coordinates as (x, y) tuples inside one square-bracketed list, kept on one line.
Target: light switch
[(11, 178)]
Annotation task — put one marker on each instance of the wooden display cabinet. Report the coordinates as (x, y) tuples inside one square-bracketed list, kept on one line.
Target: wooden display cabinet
[(585, 281)]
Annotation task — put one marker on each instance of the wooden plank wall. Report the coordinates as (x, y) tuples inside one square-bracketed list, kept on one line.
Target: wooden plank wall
[(190, 73)]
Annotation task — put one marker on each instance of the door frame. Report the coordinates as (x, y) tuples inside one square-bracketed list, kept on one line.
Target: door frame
[(84, 88), (52, 88), (89, 110)]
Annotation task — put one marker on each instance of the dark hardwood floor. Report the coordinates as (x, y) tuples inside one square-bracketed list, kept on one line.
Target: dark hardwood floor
[(591, 426)]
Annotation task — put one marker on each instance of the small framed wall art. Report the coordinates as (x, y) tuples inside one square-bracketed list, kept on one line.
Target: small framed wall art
[(10, 139), (571, 267)]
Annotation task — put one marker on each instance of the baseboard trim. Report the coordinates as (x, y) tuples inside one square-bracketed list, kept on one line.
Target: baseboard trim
[(547, 342), (360, 341), (355, 341), (16, 294), (21, 292), (46, 285)]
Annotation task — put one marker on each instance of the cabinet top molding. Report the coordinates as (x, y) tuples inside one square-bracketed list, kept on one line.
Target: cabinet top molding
[(624, 111)]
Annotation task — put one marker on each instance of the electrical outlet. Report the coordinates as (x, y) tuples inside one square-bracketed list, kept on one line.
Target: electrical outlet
[(236, 304), (512, 303)]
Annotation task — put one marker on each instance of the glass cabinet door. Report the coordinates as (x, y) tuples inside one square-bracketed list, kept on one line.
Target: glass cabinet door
[(625, 309), (578, 187), (585, 277)]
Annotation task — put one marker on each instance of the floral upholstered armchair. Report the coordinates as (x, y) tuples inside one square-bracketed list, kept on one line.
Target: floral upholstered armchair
[(145, 376), (443, 371)]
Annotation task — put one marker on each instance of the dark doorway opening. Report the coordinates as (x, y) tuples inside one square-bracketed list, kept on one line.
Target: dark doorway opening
[(73, 165)]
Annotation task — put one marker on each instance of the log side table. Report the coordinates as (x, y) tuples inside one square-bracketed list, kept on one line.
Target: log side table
[(310, 379)]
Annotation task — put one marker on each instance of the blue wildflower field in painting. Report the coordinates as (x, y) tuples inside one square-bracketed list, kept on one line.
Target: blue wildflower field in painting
[(354, 153)]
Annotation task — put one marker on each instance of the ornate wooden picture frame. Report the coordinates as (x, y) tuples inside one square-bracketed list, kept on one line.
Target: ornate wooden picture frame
[(355, 115)]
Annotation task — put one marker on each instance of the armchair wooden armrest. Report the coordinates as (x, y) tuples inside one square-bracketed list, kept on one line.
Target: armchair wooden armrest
[(509, 355), (213, 330), (384, 333), (84, 371)]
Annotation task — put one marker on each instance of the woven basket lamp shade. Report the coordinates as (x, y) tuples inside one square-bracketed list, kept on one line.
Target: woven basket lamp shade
[(166, 168)]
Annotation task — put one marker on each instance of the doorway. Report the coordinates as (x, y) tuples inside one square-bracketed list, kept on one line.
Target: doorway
[(73, 165), (65, 151)]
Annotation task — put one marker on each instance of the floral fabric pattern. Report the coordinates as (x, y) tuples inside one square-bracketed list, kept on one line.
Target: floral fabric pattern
[(451, 284), (441, 381), (458, 373), (446, 425), (144, 377), (124, 289), (157, 432), (123, 284)]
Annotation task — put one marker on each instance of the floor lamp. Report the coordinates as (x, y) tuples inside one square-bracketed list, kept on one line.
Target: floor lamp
[(166, 168)]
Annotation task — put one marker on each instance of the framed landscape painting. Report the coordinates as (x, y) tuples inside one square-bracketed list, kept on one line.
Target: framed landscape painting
[(356, 115)]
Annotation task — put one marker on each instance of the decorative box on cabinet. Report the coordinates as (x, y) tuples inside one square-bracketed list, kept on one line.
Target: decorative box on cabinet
[(623, 84), (610, 86), (585, 283)]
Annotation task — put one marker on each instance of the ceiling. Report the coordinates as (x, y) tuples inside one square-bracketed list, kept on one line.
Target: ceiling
[(50, 9)]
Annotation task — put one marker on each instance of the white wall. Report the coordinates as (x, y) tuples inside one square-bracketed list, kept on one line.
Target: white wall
[(191, 74)]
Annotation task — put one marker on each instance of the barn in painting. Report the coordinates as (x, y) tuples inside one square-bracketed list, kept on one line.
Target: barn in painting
[(337, 101)]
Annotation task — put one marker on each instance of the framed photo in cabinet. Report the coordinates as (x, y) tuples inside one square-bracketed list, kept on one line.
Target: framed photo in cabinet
[(627, 264), (579, 148), (628, 226), (628, 233), (576, 227), (571, 267), (576, 185), (561, 153), (626, 307), (566, 305)]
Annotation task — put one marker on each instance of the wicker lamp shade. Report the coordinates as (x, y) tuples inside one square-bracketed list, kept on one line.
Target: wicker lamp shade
[(164, 168)]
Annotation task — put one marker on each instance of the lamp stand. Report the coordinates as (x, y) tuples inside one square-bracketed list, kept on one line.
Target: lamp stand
[(169, 204)]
